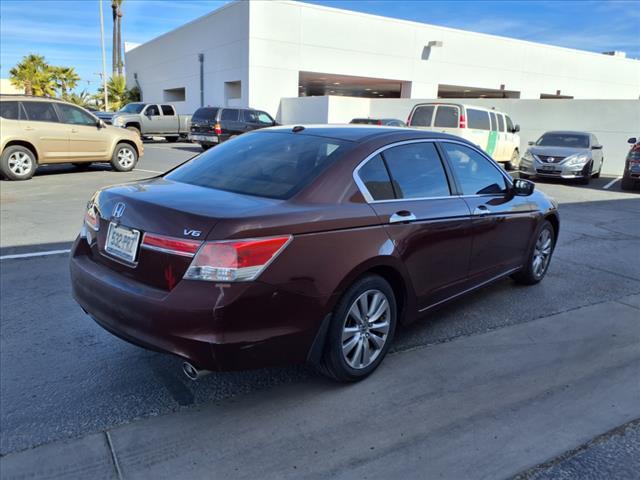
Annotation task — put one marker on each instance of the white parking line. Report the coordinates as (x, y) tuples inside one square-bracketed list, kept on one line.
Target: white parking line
[(611, 183), (150, 171), (34, 254)]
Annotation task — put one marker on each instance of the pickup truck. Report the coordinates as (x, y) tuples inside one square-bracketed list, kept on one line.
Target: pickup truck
[(151, 119)]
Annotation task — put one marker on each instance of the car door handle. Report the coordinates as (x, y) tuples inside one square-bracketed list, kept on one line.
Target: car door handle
[(481, 211), (402, 216), (74, 130), (29, 128)]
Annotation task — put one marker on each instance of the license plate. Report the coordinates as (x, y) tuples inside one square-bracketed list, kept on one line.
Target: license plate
[(548, 167), (122, 242)]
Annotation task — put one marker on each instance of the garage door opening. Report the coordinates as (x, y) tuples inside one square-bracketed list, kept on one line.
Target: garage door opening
[(457, 91), (312, 84)]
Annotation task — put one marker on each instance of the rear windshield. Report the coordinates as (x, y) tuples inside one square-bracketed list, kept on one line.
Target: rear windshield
[(206, 114), (365, 121), (563, 140), (264, 164)]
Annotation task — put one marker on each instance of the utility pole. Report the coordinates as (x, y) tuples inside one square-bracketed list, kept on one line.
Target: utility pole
[(104, 60)]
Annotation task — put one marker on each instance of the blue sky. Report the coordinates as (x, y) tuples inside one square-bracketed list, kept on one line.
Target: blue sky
[(67, 32)]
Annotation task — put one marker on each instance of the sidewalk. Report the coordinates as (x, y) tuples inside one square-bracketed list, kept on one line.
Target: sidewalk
[(484, 406)]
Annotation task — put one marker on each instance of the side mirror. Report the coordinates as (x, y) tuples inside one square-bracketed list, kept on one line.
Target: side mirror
[(531, 143), (522, 187), (632, 140), (516, 129), (101, 124), (596, 147)]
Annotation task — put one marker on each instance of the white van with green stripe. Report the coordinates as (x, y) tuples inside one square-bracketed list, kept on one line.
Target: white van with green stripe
[(493, 131)]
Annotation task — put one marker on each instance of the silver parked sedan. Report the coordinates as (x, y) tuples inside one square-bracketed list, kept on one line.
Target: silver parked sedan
[(563, 155)]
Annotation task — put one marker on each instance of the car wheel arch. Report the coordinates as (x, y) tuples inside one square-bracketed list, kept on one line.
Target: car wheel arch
[(127, 142), (25, 144), (394, 272)]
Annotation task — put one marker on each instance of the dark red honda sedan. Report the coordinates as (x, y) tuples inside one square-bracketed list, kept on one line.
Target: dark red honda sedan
[(305, 244)]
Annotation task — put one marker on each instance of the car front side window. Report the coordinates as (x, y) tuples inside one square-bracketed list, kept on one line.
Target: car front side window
[(75, 116), (475, 173), (152, 111)]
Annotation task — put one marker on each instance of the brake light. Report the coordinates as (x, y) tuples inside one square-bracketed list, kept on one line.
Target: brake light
[(91, 219), (217, 129), (379, 122), (172, 245), (235, 260), (462, 122)]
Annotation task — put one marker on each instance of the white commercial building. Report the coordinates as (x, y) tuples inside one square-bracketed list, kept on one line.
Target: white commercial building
[(253, 53)]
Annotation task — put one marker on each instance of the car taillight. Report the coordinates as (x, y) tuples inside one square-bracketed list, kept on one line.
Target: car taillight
[(636, 148), (235, 260), (379, 122), (462, 122), (217, 129), (91, 219), (172, 245)]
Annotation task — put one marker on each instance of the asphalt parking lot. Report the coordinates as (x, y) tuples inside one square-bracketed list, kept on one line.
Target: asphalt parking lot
[(63, 377)]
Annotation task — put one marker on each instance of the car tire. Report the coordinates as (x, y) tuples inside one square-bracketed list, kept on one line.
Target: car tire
[(124, 158), (352, 358), (514, 163), (524, 176), (586, 177), (205, 147), (18, 163), (627, 184), (171, 139), (135, 130), (541, 251)]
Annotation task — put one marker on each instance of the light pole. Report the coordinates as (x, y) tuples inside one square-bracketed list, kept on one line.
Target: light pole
[(104, 60)]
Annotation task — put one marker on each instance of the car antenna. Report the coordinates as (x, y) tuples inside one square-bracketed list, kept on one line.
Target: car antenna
[(297, 128)]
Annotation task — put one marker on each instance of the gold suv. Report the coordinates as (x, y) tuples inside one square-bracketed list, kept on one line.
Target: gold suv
[(36, 131)]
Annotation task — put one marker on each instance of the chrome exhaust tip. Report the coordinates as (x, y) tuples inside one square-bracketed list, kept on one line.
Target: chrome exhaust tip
[(193, 373)]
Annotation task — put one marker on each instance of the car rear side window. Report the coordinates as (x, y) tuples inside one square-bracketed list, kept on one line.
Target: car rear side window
[(416, 171), (9, 110), (446, 117), (494, 121), (266, 164), (40, 111), (422, 116), (376, 179), (206, 114), (230, 115), (478, 119), (476, 174), (168, 110)]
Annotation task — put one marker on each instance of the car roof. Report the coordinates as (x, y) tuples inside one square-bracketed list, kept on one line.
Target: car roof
[(22, 96), (360, 132), (567, 132)]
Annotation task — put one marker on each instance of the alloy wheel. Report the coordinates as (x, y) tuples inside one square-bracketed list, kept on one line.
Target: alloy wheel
[(542, 253), (365, 329), (20, 163), (125, 157)]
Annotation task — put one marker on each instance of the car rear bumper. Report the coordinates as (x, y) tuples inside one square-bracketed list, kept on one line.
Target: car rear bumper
[(204, 139), (214, 326)]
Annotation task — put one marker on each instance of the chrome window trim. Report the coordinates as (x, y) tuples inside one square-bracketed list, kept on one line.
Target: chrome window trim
[(369, 199)]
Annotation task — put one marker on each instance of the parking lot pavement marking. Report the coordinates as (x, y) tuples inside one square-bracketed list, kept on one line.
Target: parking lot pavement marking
[(34, 254), (611, 183), (150, 171)]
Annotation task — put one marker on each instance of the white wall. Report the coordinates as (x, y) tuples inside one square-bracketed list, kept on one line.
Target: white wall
[(612, 121), (288, 37), (265, 44), (171, 60)]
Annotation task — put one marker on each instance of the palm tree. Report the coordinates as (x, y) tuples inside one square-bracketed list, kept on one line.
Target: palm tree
[(33, 75), (82, 99), (116, 54), (65, 79), (119, 96)]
